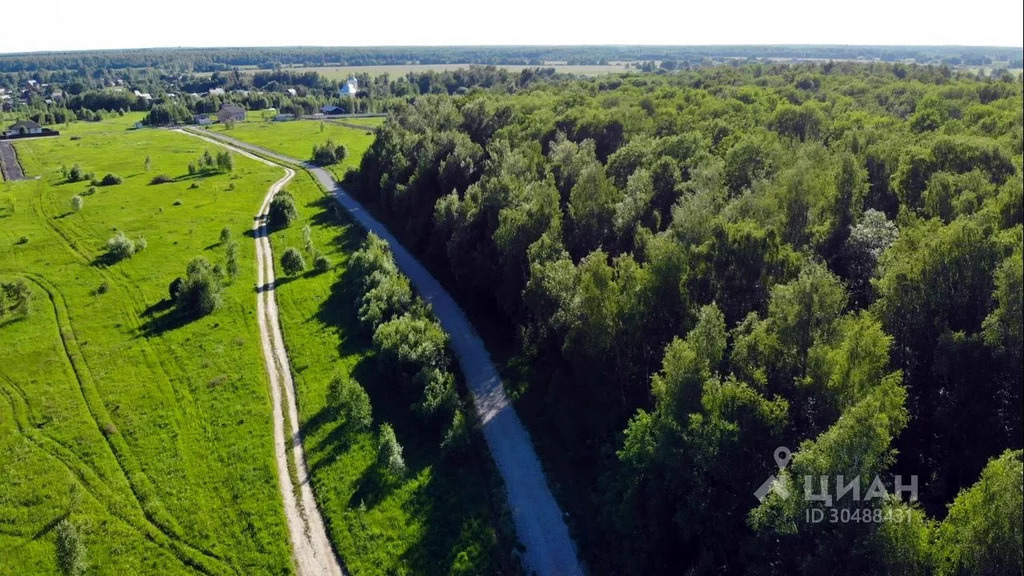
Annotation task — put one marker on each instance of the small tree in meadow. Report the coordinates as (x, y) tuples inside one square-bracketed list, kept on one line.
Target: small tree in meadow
[(350, 402), (70, 549), (77, 202), (225, 235), (389, 452), (292, 262), (282, 210), (231, 266)]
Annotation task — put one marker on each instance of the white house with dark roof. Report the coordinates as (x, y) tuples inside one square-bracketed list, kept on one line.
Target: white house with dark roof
[(23, 128)]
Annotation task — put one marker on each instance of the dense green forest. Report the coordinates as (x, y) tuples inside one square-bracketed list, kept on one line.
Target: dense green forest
[(688, 271), (212, 59)]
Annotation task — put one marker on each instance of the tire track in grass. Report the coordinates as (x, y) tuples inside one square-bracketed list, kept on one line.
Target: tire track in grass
[(195, 557), (182, 397)]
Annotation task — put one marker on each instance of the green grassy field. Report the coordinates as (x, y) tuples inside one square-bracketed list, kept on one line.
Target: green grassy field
[(297, 138), (447, 517), (152, 435)]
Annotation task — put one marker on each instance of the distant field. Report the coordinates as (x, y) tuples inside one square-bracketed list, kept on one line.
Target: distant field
[(151, 434), (298, 137), (343, 72)]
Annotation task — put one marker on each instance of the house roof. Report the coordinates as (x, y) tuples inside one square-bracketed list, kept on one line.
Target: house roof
[(27, 124), (232, 108)]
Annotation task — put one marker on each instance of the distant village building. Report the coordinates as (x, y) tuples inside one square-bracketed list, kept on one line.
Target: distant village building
[(284, 117), (27, 129), (332, 110), (230, 112), (216, 91), (350, 87), (203, 119), (292, 92), (23, 128)]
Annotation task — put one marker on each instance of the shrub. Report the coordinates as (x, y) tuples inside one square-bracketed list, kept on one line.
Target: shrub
[(282, 210), (16, 298), (120, 247), (231, 266), (456, 437), (292, 262), (89, 191), (350, 402), (77, 202), (161, 179), (76, 174), (103, 288), (225, 235), (177, 285), (110, 180), (328, 153), (225, 162), (200, 292), (389, 451), (70, 549), (23, 240), (321, 264)]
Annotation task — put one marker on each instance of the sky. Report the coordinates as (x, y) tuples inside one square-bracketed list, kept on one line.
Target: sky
[(30, 26)]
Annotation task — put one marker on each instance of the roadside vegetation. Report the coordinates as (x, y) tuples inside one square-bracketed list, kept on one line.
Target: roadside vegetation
[(393, 501)]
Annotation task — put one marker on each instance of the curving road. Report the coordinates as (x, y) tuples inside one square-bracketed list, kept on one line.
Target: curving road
[(538, 519), (310, 545)]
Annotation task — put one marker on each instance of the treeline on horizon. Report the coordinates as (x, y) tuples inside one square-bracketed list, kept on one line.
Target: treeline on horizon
[(690, 270), (183, 60)]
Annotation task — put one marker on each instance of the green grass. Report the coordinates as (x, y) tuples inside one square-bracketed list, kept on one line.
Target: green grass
[(163, 427), (448, 516), (297, 138)]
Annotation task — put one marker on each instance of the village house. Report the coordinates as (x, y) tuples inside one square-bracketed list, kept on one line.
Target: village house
[(230, 112), (203, 119), (23, 128), (332, 110)]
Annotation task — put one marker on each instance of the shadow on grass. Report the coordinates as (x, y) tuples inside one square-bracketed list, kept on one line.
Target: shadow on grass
[(164, 317)]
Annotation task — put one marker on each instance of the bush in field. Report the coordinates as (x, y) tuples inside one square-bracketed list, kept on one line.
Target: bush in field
[(15, 298), (282, 210), (321, 264), (161, 179), (329, 153), (70, 549), (389, 452), (292, 262), (176, 286), (231, 266), (350, 402), (77, 203), (76, 174), (225, 235), (200, 290), (121, 247), (109, 180)]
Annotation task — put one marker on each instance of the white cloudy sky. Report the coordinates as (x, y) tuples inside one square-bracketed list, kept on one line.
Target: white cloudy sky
[(27, 25)]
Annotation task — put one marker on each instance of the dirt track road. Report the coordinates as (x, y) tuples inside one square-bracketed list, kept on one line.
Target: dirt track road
[(538, 519), (310, 546)]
